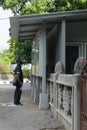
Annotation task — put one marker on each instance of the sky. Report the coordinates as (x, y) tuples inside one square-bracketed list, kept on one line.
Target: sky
[(4, 28)]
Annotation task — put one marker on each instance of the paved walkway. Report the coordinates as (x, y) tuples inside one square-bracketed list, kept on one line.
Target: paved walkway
[(26, 117)]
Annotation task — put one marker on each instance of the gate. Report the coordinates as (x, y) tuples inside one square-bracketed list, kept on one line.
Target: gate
[(83, 100)]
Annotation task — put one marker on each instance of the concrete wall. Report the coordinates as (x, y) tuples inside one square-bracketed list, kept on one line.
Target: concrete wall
[(56, 44), (76, 31)]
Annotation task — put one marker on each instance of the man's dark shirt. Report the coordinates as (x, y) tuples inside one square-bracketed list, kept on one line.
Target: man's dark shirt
[(19, 70)]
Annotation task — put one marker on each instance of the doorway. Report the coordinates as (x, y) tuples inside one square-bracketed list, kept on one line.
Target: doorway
[(72, 53)]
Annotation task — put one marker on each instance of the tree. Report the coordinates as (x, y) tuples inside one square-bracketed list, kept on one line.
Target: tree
[(27, 6), (20, 49), (42, 6), (18, 7), (37, 7), (66, 5), (15, 5)]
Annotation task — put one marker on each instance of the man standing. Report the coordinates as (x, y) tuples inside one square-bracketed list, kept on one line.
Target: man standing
[(19, 75)]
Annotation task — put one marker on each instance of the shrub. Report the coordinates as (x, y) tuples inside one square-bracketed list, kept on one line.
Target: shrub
[(25, 73), (6, 72)]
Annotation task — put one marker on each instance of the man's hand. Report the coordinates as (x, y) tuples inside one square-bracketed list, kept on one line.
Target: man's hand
[(21, 83)]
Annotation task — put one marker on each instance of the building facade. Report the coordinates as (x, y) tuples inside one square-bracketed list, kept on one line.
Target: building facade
[(55, 37)]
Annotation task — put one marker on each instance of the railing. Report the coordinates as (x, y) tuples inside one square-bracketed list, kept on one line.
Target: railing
[(63, 96)]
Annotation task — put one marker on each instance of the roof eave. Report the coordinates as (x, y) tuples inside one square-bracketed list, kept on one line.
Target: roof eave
[(17, 21)]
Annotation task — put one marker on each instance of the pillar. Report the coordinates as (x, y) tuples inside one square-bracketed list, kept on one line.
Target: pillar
[(43, 98)]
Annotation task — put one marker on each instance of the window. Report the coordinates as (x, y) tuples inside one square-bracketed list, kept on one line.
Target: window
[(35, 57)]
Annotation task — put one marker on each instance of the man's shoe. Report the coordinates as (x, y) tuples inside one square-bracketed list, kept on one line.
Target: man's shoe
[(20, 103)]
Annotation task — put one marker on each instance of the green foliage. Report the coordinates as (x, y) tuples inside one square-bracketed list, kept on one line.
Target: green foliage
[(42, 6), (65, 5), (5, 57), (25, 73), (15, 5), (37, 7), (6, 72), (27, 6), (20, 49)]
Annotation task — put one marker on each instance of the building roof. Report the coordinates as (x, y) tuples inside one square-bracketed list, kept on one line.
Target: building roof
[(26, 27)]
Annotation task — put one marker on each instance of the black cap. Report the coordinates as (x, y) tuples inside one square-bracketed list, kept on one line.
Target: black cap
[(19, 61)]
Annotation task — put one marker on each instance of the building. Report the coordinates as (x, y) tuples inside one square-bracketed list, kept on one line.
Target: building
[(60, 36)]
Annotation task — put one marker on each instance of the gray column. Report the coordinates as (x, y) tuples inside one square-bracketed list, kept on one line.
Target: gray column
[(62, 41), (44, 57), (43, 104)]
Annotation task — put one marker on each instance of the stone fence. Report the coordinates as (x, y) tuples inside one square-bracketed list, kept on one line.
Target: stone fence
[(63, 94), (63, 97)]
